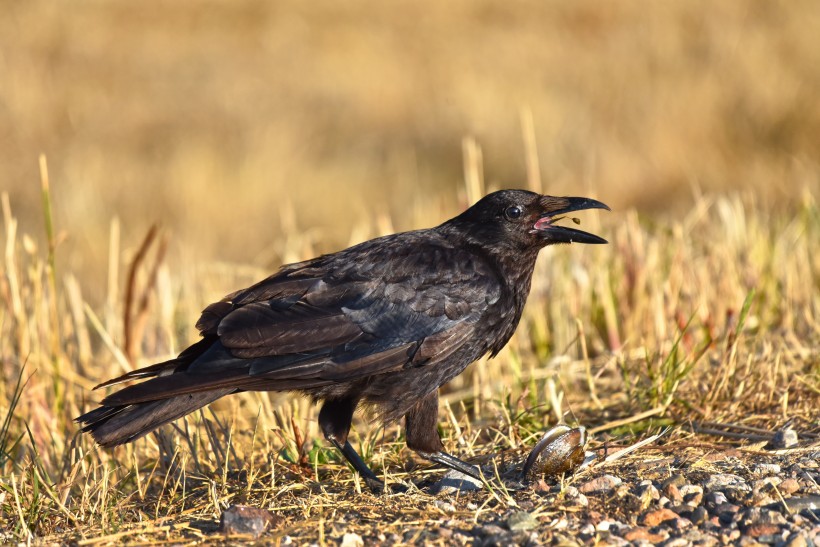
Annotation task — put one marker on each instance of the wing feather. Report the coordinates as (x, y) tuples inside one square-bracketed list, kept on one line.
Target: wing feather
[(327, 321)]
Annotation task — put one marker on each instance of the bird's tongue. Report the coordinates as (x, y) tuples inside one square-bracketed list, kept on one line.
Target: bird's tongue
[(544, 222)]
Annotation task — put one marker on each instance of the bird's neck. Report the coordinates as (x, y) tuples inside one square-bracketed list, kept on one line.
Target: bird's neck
[(515, 273)]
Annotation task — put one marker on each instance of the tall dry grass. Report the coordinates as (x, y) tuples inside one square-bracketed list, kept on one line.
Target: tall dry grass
[(712, 317)]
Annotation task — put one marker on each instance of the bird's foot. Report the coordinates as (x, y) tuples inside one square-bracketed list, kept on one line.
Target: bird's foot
[(448, 460)]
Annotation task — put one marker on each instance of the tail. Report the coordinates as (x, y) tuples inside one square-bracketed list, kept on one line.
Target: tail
[(115, 425), (123, 417)]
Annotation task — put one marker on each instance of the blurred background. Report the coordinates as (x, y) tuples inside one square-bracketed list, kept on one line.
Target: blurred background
[(234, 123)]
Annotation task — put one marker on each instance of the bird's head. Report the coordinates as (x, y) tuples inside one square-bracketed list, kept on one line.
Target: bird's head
[(527, 219)]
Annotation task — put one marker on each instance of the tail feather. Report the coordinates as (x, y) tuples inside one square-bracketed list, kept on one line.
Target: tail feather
[(115, 425), (177, 364)]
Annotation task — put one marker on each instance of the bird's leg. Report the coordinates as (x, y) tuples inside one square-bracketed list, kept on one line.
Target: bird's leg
[(422, 436), (335, 418)]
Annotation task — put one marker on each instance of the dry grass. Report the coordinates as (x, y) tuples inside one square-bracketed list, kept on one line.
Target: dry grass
[(260, 136), (654, 321)]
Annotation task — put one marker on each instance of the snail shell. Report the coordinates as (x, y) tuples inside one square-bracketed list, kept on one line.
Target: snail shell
[(560, 450)]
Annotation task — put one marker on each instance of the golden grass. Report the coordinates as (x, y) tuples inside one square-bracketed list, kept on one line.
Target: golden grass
[(655, 322), (259, 136)]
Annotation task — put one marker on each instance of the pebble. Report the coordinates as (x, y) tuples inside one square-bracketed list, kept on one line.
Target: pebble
[(575, 496), (699, 515), (352, 540), (766, 485), (811, 503), (675, 480), (785, 438), (445, 506), (689, 489), (455, 481), (763, 469), (759, 515), (647, 493), (600, 485), (642, 534), (721, 481), (606, 526), (713, 499), (587, 529), (789, 487), (254, 521), (673, 493), (654, 518), (521, 521)]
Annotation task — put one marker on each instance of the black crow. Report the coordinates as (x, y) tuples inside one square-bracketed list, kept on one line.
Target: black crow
[(384, 324)]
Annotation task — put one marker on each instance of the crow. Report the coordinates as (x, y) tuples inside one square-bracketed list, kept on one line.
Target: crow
[(383, 324)]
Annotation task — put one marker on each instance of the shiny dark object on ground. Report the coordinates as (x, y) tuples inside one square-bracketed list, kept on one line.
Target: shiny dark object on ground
[(560, 451), (384, 324)]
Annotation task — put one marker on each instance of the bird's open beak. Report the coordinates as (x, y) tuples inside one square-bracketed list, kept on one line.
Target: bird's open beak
[(555, 207)]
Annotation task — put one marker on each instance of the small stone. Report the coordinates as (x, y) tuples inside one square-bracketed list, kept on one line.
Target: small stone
[(654, 518), (755, 515), (600, 485), (689, 489), (352, 540), (764, 469), (757, 530), (675, 480), (540, 486), (575, 496), (720, 481), (581, 500), (789, 487), (681, 523), (811, 503), (445, 506), (677, 542), (240, 519), (713, 499), (642, 534), (521, 521), (766, 485), (699, 515), (673, 493), (490, 530), (730, 536), (727, 512), (681, 509), (647, 493), (785, 438), (587, 529), (455, 481)]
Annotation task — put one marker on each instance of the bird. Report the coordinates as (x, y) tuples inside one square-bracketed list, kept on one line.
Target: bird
[(381, 325)]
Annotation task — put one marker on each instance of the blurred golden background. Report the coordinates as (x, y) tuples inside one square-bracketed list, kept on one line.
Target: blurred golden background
[(259, 133), (231, 122)]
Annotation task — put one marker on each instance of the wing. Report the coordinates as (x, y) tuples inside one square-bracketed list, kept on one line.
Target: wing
[(364, 317), (336, 319)]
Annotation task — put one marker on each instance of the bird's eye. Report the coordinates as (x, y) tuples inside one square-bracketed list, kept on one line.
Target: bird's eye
[(513, 212)]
